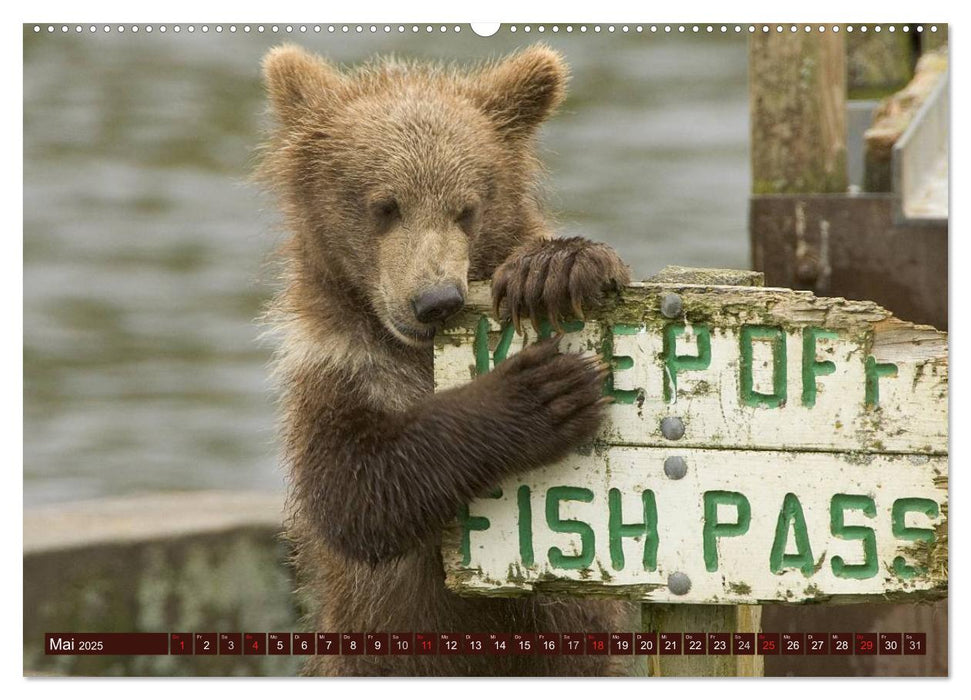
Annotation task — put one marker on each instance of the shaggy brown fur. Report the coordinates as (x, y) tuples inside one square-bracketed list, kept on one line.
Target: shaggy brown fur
[(396, 178)]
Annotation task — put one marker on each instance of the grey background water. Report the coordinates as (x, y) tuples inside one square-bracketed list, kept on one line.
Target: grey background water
[(145, 247)]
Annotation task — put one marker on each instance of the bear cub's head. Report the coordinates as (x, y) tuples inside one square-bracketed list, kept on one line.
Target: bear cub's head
[(401, 181)]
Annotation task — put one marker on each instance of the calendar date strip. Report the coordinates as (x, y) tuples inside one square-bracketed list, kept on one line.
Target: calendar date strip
[(456, 643)]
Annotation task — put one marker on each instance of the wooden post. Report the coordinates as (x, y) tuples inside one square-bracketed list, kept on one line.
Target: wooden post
[(797, 92), (703, 618), (797, 102)]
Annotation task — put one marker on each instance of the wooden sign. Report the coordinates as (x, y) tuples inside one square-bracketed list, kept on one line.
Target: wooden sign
[(763, 445)]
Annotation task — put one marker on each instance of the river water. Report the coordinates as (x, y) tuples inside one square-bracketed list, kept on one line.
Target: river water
[(145, 245)]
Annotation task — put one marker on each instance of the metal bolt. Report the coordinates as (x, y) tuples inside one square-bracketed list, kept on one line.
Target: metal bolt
[(679, 583), (672, 428), (671, 306), (675, 467)]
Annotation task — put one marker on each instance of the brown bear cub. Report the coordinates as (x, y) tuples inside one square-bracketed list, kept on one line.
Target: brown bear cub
[(400, 183)]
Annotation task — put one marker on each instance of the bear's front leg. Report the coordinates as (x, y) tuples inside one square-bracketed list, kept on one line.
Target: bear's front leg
[(379, 482), (555, 278)]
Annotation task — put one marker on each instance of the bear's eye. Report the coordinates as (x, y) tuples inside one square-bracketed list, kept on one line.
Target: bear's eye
[(466, 218), (385, 210)]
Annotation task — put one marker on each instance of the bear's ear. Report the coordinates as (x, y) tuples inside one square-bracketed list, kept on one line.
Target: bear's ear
[(295, 80), (524, 89)]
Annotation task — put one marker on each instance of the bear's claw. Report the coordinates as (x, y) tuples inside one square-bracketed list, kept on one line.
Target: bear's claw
[(553, 279), (560, 394)]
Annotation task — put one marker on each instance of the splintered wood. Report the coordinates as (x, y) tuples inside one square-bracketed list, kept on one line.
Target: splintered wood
[(763, 445)]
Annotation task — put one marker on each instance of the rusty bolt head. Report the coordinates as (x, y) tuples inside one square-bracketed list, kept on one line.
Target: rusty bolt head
[(672, 428), (679, 583), (671, 306), (675, 467)]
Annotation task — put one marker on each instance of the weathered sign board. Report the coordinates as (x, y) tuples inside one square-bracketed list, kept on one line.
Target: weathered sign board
[(763, 445)]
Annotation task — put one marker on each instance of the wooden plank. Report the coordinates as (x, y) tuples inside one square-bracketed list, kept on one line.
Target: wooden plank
[(820, 475), (920, 158), (676, 274), (733, 368), (742, 526), (894, 116)]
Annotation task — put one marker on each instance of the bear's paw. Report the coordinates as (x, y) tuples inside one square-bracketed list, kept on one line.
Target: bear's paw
[(553, 279)]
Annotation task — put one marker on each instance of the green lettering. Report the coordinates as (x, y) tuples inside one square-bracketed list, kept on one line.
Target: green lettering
[(468, 523), (714, 529), (901, 507), (791, 517), (480, 345), (810, 367), (620, 363), (840, 503), (674, 363), (577, 527), (618, 530), (525, 525), (875, 370), (749, 396)]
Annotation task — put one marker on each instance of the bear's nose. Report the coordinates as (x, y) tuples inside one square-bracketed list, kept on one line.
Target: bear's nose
[(438, 303)]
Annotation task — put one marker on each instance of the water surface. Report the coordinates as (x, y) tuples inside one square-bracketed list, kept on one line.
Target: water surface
[(145, 246)]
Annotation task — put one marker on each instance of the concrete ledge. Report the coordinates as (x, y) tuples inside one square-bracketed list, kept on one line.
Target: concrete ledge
[(184, 562), (147, 517)]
